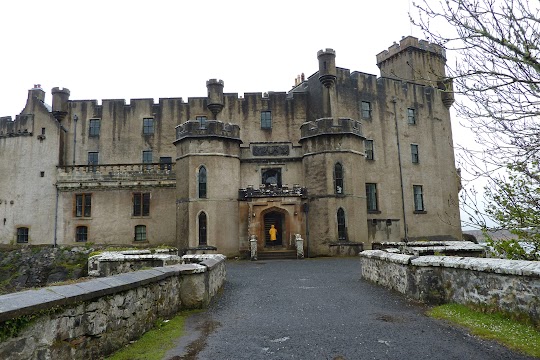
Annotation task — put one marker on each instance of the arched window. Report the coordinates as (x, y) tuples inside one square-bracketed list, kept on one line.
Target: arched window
[(202, 182), (342, 229), (338, 178), (202, 229)]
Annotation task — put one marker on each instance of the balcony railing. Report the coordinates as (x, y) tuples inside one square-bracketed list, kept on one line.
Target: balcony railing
[(271, 191), (117, 171)]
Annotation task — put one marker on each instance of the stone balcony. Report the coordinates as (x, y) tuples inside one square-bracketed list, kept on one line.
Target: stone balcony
[(330, 126), (271, 191), (116, 175)]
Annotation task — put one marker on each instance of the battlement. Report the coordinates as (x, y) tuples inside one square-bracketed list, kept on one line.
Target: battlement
[(329, 126), (410, 42), (214, 82), (209, 128), (57, 90), (326, 51), (23, 125)]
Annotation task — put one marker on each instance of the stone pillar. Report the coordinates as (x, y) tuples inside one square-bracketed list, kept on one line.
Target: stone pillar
[(299, 246), (253, 247)]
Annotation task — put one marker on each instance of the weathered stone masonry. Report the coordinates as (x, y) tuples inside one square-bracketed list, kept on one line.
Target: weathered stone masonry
[(94, 318), (506, 285)]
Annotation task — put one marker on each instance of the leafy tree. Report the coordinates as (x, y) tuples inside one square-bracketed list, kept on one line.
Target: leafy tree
[(515, 205), (497, 78)]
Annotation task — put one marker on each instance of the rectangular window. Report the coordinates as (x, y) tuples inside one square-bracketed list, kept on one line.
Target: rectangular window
[(83, 205), (147, 156), (366, 110), (93, 158), (411, 116), (369, 149), (165, 163), (140, 233), (141, 204), (22, 235), (371, 196), (94, 127), (266, 119), (418, 198), (414, 154), (81, 234), (202, 121), (271, 177), (148, 126)]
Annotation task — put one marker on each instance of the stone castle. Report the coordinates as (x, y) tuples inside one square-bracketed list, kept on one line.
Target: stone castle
[(344, 159)]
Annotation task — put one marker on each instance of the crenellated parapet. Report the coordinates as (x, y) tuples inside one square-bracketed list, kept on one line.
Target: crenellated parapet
[(413, 43), (23, 125), (330, 126), (414, 60), (208, 128)]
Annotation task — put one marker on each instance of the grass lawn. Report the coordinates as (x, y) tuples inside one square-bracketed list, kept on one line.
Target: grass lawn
[(155, 343), (514, 335)]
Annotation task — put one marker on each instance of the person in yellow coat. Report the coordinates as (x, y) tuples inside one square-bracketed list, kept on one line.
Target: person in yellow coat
[(273, 233)]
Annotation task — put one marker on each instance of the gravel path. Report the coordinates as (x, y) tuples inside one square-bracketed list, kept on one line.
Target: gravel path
[(320, 309)]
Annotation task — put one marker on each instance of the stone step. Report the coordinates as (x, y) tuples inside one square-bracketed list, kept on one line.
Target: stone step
[(276, 254)]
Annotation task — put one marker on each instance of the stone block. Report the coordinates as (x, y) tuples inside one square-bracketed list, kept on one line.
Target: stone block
[(28, 302)]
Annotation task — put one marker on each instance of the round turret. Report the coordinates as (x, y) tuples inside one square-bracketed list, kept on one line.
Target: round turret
[(215, 96), (60, 98), (327, 67)]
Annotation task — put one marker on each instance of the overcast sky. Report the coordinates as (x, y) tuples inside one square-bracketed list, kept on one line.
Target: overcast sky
[(152, 49)]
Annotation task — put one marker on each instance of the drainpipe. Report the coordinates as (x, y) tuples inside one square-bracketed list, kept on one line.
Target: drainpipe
[(400, 172), (75, 118), (56, 217), (306, 211)]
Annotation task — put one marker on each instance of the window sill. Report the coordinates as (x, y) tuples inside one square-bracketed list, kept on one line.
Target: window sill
[(83, 217), (140, 216), (140, 241), (373, 211), (420, 212)]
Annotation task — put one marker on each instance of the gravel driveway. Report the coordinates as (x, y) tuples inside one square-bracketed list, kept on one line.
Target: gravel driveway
[(320, 309)]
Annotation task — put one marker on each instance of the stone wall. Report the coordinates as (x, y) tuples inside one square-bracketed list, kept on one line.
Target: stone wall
[(94, 318), (511, 286), (23, 267), (117, 262)]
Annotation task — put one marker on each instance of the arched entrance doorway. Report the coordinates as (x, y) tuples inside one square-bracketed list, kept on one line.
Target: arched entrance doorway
[(278, 220)]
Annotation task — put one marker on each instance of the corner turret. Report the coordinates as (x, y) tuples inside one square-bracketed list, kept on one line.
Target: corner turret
[(420, 62), (215, 96), (327, 67), (413, 60), (60, 98)]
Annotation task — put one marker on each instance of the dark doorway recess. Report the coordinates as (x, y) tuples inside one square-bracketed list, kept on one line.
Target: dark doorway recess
[(277, 219)]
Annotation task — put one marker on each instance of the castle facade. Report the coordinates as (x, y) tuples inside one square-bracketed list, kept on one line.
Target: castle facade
[(345, 159)]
